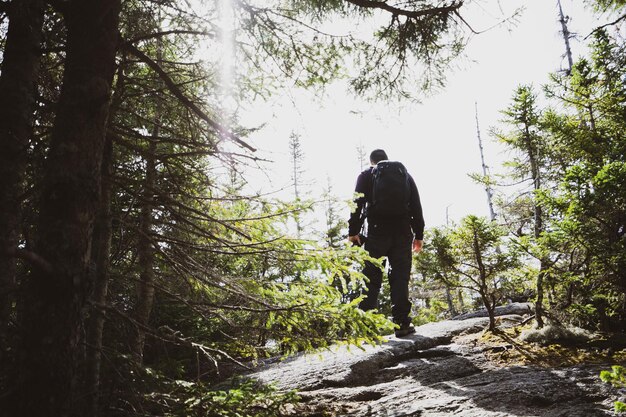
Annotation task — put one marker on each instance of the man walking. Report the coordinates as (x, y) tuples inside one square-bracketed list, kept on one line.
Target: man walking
[(390, 202)]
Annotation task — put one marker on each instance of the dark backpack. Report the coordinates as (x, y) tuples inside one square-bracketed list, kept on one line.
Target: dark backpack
[(391, 190)]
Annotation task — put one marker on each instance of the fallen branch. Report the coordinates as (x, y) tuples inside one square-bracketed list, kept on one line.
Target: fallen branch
[(527, 320)]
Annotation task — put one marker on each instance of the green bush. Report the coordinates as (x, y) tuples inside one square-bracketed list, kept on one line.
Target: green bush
[(617, 378)]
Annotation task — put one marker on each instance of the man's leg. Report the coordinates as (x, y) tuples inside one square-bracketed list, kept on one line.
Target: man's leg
[(400, 259), (375, 248)]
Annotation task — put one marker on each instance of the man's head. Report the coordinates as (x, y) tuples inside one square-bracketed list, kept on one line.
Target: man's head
[(378, 155)]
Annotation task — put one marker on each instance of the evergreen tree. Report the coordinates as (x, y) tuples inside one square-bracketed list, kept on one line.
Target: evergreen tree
[(589, 203), (530, 165), (471, 252)]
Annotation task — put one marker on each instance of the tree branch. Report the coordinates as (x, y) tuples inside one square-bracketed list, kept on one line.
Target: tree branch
[(297, 307), (599, 28), (169, 335), (374, 4), (32, 258), (170, 32), (171, 85)]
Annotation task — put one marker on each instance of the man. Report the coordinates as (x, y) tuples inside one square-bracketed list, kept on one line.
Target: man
[(395, 225)]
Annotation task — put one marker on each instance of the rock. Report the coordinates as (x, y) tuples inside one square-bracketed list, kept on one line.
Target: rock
[(430, 375), (318, 370), (513, 308)]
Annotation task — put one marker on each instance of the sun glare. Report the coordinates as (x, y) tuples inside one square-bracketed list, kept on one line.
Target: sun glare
[(227, 57)]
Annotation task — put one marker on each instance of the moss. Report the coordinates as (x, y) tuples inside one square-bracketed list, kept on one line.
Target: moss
[(556, 334), (508, 347)]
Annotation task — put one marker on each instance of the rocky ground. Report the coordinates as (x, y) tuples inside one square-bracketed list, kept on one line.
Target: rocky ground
[(447, 368)]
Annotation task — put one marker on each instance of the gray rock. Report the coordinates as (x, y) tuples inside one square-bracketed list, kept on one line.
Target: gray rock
[(513, 308), (426, 375)]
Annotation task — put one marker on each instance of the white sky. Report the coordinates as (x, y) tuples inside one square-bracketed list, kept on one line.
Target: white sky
[(436, 140)]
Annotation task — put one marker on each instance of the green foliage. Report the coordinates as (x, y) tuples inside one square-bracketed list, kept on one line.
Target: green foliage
[(317, 318), (153, 392), (604, 5), (245, 398), (617, 378), (432, 313), (589, 200), (471, 256), (436, 278), (232, 285), (566, 215), (285, 40)]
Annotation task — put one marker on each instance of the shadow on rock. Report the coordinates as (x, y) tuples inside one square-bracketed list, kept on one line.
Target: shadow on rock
[(452, 384), (427, 375)]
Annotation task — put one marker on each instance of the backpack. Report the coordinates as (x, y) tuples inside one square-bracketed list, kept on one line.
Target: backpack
[(391, 190)]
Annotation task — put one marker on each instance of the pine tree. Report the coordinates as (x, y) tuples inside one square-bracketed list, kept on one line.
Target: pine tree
[(529, 165)]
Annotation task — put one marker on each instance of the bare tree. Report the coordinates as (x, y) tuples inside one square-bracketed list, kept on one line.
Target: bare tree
[(566, 37)]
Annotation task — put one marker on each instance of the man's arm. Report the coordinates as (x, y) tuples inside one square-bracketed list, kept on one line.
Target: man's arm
[(415, 211), (356, 217)]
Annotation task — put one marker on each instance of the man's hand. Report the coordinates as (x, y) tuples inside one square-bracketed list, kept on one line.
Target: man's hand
[(355, 240), (417, 245)]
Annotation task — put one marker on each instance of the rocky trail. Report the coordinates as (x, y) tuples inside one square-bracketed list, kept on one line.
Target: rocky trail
[(439, 371)]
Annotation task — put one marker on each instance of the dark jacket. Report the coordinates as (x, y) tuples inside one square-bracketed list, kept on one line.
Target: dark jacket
[(364, 186)]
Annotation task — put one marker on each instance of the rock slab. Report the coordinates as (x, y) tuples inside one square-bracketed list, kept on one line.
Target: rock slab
[(429, 375)]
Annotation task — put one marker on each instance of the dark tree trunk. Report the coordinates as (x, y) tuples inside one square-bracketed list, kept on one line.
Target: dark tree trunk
[(52, 352), (539, 311), (450, 302), (538, 227), (101, 252), (145, 285), (491, 311), (18, 79), (483, 289)]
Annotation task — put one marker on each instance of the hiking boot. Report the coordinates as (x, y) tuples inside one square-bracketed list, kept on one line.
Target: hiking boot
[(405, 329)]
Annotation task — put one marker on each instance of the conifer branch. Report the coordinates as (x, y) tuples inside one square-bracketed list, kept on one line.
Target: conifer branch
[(170, 32), (613, 23), (414, 14), (171, 85)]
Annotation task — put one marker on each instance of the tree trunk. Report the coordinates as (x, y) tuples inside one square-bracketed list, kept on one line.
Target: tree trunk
[(491, 312), (538, 227), (459, 296), (145, 285), (539, 313), (18, 78), (52, 353), (483, 278), (451, 308), (101, 252)]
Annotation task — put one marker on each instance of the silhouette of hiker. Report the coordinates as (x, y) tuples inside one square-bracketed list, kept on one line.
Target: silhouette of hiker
[(390, 202)]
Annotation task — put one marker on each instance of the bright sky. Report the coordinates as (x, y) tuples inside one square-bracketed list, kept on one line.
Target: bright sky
[(436, 140)]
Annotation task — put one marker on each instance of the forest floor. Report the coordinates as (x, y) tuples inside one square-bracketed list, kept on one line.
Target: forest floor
[(451, 368)]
